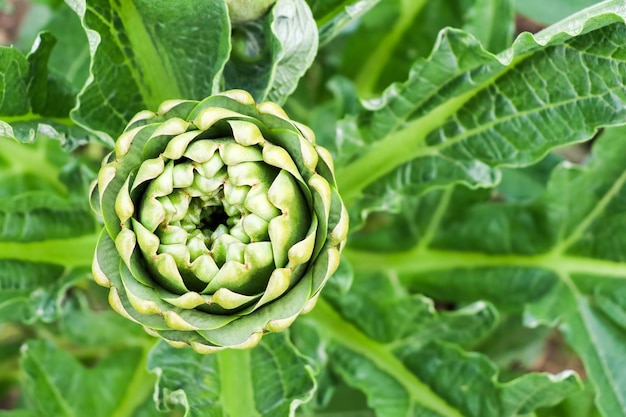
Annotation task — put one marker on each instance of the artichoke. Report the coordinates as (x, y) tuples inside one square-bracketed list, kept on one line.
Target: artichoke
[(241, 11), (222, 221)]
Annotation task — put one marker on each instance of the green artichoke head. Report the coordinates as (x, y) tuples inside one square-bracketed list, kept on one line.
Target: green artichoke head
[(222, 221), (246, 10)]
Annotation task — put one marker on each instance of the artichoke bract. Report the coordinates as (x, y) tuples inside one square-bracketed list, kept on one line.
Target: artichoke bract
[(222, 221)]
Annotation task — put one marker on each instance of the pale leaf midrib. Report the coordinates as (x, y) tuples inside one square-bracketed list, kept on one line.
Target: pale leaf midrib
[(423, 261), (436, 219), (67, 410), (38, 163), (154, 76), (598, 209), (70, 252), (371, 69), (236, 390), (482, 128), (137, 389), (344, 333), (339, 8), (30, 116), (383, 156), (565, 278)]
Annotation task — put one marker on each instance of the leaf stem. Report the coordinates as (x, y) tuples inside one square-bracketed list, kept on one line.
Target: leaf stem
[(155, 77), (395, 149), (419, 261), (368, 77), (38, 163), (237, 393), (599, 208), (435, 221), (338, 9), (139, 387), (72, 252), (348, 335), (599, 365), (30, 116)]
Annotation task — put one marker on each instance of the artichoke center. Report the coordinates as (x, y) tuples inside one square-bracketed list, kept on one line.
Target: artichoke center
[(211, 217)]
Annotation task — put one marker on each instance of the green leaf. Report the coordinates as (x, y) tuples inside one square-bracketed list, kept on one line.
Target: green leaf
[(480, 396), (527, 184), (312, 345), (371, 51), (70, 59), (562, 254), (56, 384), (335, 123), (34, 102), (332, 16), (464, 112), (14, 82), (375, 304), (599, 342), (389, 344), (49, 96), (270, 55), (272, 379), (31, 291), (138, 61), (294, 44), (398, 32), (403, 372), (47, 232), (513, 345), (491, 22), (115, 331)]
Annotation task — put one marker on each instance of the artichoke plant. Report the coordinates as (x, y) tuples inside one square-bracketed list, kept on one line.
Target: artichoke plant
[(222, 221)]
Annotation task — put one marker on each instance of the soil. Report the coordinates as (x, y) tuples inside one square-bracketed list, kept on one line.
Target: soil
[(11, 14)]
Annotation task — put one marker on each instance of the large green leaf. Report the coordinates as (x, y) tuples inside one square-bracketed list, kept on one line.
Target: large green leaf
[(463, 111), (598, 340), (561, 254), (391, 346), (56, 384), (34, 101), (114, 331), (139, 61), (47, 232), (270, 380)]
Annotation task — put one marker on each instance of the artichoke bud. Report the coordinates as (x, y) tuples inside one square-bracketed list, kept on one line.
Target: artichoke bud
[(241, 11), (221, 221)]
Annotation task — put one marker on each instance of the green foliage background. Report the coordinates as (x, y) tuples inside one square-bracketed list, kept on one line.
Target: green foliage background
[(476, 243)]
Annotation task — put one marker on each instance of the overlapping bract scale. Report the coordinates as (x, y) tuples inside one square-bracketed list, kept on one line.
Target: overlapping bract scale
[(222, 221)]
